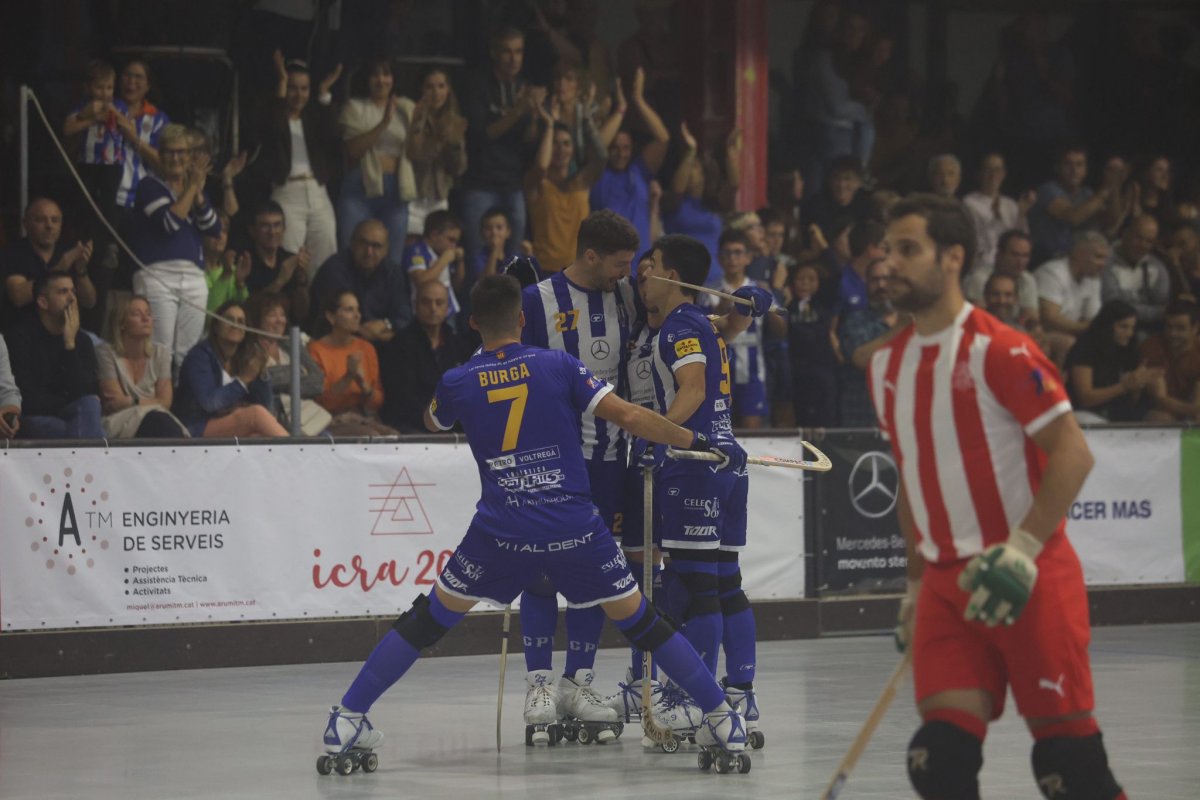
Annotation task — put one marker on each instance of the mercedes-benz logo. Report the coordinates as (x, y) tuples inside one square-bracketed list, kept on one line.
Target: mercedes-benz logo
[(643, 369), (874, 481), (600, 349)]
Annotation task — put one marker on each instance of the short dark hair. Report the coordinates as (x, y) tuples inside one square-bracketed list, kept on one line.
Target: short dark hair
[(97, 71), (41, 284), (218, 317), (504, 33), (1067, 148), (687, 256), (1178, 307), (863, 234), (845, 164), (495, 211), (733, 236), (1008, 236), (495, 303), (441, 220), (947, 221), (267, 207), (998, 276), (606, 232), (332, 301)]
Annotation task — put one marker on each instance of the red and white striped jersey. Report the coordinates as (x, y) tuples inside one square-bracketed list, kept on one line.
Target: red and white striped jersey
[(959, 408)]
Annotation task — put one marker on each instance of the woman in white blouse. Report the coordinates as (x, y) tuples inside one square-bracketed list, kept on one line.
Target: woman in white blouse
[(380, 184)]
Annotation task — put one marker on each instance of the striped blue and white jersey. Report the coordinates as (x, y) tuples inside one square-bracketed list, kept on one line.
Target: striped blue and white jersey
[(639, 372), (595, 327), (688, 336), (149, 125), (101, 142), (746, 362)]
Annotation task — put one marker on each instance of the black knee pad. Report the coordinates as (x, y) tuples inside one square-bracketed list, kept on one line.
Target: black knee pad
[(650, 632), (1074, 768), (728, 584), (702, 591), (944, 762), (734, 603), (418, 627)]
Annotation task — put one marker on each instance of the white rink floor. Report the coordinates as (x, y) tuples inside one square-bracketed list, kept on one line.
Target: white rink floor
[(254, 733)]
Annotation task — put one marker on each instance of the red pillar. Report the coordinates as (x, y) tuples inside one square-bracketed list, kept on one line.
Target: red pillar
[(751, 71)]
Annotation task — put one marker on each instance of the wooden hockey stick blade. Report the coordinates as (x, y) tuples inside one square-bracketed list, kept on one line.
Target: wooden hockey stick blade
[(820, 463), (868, 729), (741, 301), (504, 629)]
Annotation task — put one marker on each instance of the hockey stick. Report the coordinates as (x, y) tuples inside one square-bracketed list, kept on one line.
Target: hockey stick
[(741, 301), (821, 462), (659, 734), (868, 729), (504, 628)]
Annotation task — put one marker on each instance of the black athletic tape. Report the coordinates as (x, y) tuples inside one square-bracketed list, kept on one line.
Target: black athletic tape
[(710, 556), (650, 632), (727, 556), (734, 603), (944, 762), (728, 584), (417, 625), (1074, 768)]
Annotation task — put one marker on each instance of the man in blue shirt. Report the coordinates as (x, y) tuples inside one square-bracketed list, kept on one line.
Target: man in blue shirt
[(379, 283), (520, 407)]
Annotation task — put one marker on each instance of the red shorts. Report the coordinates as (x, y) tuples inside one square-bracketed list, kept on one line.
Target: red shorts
[(1043, 656)]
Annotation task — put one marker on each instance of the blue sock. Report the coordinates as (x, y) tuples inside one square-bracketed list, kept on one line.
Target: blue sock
[(583, 637), (703, 623), (539, 618), (679, 660), (635, 661), (388, 662), (739, 633), (703, 633)]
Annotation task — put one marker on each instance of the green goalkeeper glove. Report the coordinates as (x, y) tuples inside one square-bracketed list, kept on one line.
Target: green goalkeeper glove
[(1000, 579)]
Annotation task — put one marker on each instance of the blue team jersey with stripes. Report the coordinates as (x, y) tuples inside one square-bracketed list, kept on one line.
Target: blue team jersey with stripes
[(149, 125), (593, 326), (101, 142), (639, 371), (520, 407), (746, 361), (688, 336)]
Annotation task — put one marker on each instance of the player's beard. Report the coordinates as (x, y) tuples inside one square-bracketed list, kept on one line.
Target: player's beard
[(914, 297)]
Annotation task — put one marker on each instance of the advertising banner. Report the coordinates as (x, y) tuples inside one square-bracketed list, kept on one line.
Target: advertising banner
[(97, 538)]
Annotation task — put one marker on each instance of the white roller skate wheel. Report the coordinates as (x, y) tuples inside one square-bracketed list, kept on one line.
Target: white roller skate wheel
[(585, 736), (606, 735), (670, 745)]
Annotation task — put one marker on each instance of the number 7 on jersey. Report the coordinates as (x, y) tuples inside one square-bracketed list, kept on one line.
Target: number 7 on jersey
[(518, 394)]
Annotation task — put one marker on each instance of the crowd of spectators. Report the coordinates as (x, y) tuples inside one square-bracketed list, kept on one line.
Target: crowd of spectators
[(366, 220)]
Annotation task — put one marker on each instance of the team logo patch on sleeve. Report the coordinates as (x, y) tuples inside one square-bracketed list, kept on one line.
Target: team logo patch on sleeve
[(685, 347), (1043, 382)]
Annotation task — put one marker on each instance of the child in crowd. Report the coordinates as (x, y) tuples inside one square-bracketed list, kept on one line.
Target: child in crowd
[(437, 257)]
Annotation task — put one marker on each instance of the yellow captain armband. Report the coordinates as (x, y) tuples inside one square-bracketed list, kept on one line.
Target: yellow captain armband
[(685, 347)]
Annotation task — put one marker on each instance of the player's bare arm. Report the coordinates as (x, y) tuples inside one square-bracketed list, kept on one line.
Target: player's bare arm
[(642, 421), (1068, 463), (690, 393)]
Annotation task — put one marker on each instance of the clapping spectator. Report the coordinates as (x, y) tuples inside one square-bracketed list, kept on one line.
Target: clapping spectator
[(225, 272), (557, 201), (1066, 205), (437, 147), (1177, 352), (134, 375), (811, 347), (842, 198), (174, 215), (222, 392), (413, 362), (437, 258), (993, 213), (1152, 191), (10, 396), (375, 127), (1137, 276), (367, 271), (54, 365), (698, 195), (40, 253), (1108, 380), (300, 157), (352, 393), (269, 312), (500, 109), (624, 185), (147, 122), (1069, 288), (272, 269)]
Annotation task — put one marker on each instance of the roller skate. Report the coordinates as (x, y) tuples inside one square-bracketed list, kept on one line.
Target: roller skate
[(541, 712), (350, 740), (627, 701), (722, 740), (585, 717), (680, 714), (745, 702)]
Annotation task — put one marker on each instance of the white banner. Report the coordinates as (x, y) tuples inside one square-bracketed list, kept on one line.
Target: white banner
[(1126, 523), (96, 538)]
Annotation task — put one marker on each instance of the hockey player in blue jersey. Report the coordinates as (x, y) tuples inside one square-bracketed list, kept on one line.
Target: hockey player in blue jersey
[(520, 407), (701, 512)]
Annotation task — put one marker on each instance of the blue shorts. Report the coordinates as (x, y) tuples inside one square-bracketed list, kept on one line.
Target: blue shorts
[(691, 504), (733, 516), (607, 479), (587, 569), (750, 399)]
